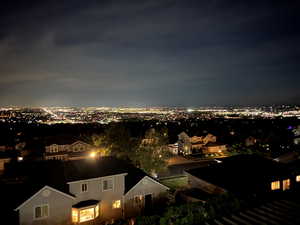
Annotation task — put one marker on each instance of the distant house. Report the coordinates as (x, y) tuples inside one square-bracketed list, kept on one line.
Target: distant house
[(200, 144), (4, 148), (149, 141), (173, 148), (214, 147), (2, 163), (197, 142), (249, 141), (87, 190), (73, 151), (242, 174)]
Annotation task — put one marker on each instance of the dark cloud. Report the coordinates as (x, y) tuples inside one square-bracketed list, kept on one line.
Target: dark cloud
[(141, 52)]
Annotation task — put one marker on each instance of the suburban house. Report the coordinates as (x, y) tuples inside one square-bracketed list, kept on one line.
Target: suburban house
[(73, 192), (73, 151), (173, 148), (243, 174), (4, 148), (249, 141), (199, 144), (214, 147), (3, 161)]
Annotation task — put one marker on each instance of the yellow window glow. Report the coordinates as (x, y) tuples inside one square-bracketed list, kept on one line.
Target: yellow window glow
[(86, 214), (275, 185), (138, 200), (298, 178), (116, 204), (286, 184), (97, 211), (74, 215)]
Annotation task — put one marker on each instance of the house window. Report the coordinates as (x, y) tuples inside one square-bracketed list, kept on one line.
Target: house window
[(97, 211), (107, 185), (84, 187), (275, 185), (298, 178), (116, 204), (286, 184), (86, 214), (138, 200), (55, 148), (41, 212), (74, 215)]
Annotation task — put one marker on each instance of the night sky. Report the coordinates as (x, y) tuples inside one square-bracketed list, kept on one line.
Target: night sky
[(149, 53)]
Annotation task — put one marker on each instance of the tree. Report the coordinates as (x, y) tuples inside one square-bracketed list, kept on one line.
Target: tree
[(152, 151), (118, 141), (98, 141)]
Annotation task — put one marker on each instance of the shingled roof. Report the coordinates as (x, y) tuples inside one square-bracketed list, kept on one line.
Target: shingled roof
[(242, 173), (93, 168), (57, 174)]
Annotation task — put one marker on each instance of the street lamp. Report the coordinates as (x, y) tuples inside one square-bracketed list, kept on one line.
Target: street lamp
[(20, 158), (92, 154)]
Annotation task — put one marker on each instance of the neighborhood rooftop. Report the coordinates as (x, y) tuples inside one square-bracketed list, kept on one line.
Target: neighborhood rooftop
[(241, 173)]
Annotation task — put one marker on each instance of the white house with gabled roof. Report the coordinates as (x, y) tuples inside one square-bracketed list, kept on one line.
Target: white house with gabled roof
[(92, 190)]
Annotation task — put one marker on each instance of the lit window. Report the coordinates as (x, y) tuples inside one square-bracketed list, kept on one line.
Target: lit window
[(116, 204), (86, 214), (286, 184), (138, 200), (107, 184), (74, 215), (84, 187), (298, 178), (41, 212), (275, 185), (97, 211)]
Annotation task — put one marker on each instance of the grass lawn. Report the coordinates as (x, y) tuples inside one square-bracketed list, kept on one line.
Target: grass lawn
[(175, 183)]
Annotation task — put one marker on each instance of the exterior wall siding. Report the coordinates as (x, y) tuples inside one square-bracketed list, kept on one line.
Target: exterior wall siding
[(75, 147), (2, 163), (214, 149), (59, 209), (60, 205), (95, 191), (64, 152), (145, 186)]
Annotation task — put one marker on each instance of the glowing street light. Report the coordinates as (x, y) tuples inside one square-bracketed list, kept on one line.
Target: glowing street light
[(218, 161), (20, 158), (92, 154)]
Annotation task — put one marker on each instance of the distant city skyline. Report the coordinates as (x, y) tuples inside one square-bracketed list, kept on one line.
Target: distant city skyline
[(151, 53), (153, 106), (106, 115)]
